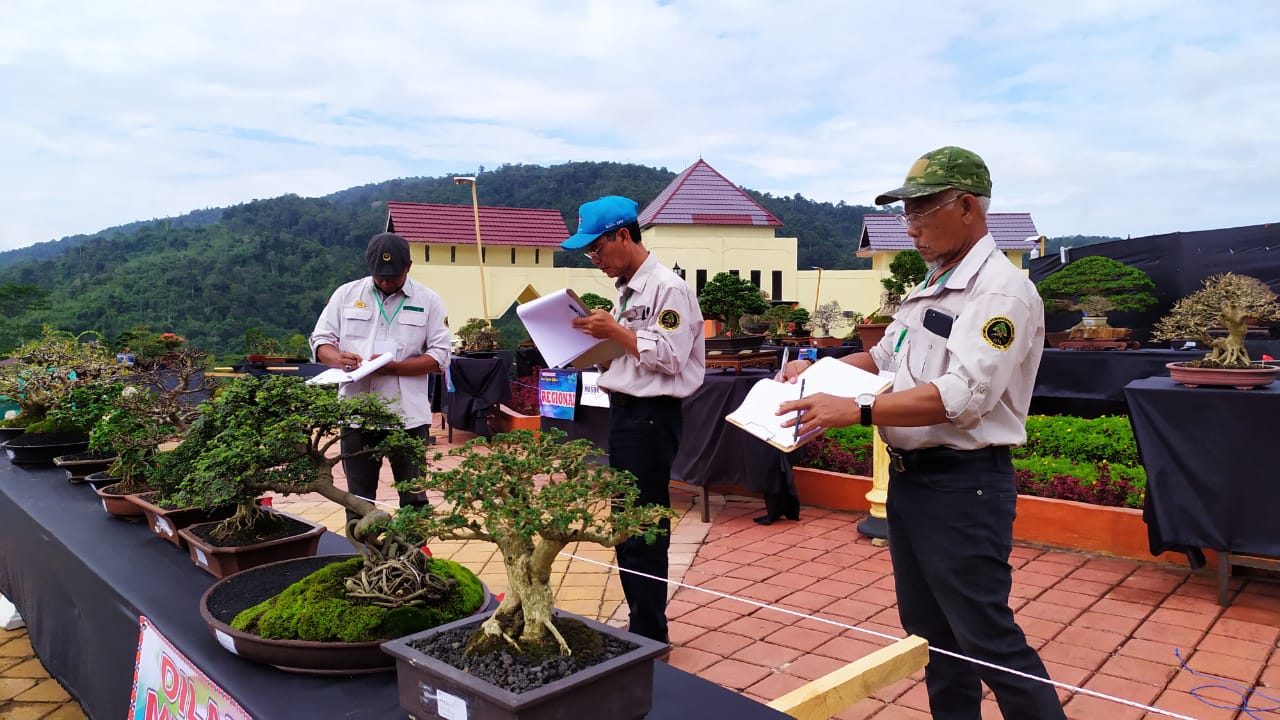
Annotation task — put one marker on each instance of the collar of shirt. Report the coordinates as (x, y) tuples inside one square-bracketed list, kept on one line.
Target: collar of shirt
[(407, 289), (636, 283), (960, 276)]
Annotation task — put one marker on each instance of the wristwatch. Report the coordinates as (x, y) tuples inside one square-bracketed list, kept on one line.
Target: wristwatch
[(865, 401)]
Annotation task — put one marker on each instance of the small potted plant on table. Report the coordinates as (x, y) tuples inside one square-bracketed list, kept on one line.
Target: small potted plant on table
[(531, 495), (1227, 299)]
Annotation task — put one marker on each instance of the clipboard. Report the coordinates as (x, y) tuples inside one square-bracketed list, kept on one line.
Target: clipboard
[(549, 320)]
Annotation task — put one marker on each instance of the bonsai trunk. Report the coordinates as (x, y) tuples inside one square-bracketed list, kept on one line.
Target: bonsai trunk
[(528, 591), (1230, 351)]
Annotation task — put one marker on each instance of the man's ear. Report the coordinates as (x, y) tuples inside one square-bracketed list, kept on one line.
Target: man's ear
[(623, 232)]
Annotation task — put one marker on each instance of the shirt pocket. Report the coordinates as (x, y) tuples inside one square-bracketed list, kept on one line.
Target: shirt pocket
[(412, 318), (926, 356), (357, 322)]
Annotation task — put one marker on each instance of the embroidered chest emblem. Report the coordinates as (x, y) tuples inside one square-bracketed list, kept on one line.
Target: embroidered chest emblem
[(669, 320), (359, 303), (998, 332)]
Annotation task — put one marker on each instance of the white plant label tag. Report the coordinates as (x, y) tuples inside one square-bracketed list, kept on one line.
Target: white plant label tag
[(200, 558), (104, 506), (226, 641), (163, 527), (450, 707)]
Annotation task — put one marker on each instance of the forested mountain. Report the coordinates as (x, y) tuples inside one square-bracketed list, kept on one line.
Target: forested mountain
[(213, 274)]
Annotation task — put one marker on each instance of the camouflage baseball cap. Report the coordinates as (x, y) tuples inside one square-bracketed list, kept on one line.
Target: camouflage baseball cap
[(942, 169)]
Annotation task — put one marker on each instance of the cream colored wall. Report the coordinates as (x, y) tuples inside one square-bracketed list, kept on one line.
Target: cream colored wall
[(719, 248)]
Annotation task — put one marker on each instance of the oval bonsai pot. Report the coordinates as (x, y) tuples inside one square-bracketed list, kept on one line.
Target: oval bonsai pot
[(119, 505), (166, 522), (81, 465), (41, 448), (1240, 378), (223, 560), (621, 687), (229, 596)]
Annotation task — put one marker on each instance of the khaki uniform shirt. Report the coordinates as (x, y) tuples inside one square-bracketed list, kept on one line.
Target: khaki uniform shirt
[(984, 367), (411, 319), (661, 309)]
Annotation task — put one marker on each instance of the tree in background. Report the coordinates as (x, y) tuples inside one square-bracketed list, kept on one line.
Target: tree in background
[(905, 272), (728, 297), (479, 336), (597, 302), (827, 317), (1097, 285)]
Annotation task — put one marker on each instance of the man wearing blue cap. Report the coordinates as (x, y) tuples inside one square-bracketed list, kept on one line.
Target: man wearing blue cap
[(658, 321)]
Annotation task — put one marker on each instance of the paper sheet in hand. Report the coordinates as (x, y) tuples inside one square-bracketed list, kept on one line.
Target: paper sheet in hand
[(337, 375), (549, 320), (757, 413)]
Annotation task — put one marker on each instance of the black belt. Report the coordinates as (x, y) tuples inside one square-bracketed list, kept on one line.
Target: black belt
[(623, 399), (936, 459)]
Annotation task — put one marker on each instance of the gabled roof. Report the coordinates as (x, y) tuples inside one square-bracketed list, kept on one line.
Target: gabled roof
[(883, 233), (702, 196), (456, 225)]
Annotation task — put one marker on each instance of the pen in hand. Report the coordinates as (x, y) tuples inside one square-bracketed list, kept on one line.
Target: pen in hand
[(799, 413)]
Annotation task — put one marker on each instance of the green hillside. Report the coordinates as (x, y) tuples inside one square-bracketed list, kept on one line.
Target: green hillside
[(212, 274)]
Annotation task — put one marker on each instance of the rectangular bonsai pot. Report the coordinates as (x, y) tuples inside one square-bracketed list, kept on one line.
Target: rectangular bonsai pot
[(620, 688), (166, 523), (80, 468), (221, 561)]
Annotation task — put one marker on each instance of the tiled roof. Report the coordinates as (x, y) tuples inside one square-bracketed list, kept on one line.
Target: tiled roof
[(456, 224), (702, 196), (883, 233)]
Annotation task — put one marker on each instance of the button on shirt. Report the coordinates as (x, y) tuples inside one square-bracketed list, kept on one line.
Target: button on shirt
[(985, 369), (661, 309), (412, 319)]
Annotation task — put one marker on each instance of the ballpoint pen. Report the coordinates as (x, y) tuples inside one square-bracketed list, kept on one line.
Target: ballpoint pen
[(799, 413), (782, 369)]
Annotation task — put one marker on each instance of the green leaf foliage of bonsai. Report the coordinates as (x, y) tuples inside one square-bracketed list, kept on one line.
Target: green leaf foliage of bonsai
[(1124, 288), (596, 302), (1225, 300), (47, 369), (728, 297)]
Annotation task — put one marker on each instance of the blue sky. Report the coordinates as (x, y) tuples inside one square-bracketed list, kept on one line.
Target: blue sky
[(1098, 117)]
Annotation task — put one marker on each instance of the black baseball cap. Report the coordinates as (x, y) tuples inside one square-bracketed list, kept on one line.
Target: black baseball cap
[(387, 255)]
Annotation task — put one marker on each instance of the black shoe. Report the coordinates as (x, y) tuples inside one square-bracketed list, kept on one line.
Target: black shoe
[(765, 519)]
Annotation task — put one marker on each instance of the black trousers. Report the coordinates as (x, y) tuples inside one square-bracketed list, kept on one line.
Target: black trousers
[(362, 472), (644, 435), (950, 519)]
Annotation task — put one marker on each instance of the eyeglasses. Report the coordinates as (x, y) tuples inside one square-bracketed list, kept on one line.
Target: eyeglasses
[(909, 219), (597, 244)]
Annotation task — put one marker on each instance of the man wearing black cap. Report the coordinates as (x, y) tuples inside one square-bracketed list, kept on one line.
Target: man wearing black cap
[(964, 347), (386, 312), (659, 323)]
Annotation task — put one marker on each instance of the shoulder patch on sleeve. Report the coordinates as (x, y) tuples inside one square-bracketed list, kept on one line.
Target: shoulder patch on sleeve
[(998, 332), (669, 320)]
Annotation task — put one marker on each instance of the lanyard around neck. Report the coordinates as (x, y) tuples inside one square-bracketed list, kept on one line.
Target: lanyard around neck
[(383, 310)]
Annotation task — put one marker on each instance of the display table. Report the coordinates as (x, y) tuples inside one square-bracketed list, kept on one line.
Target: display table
[(712, 451), (81, 578), (1208, 458)]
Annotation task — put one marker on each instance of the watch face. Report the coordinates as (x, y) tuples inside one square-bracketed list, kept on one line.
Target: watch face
[(866, 399)]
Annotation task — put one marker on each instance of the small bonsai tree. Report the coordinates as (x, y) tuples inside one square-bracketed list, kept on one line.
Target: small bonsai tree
[(531, 495), (596, 302), (1224, 300), (827, 317), (905, 272), (778, 316), (728, 297), (46, 370), (258, 342), (133, 426), (1097, 285), (478, 336), (798, 317)]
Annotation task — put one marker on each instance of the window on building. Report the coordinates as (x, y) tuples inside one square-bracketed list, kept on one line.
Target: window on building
[(733, 273), (426, 252), (537, 255), (513, 256), (755, 278), (484, 255), (776, 290), (453, 253), (702, 280)]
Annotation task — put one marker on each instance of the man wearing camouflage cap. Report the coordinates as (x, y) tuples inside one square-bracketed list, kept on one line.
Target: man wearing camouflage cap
[(964, 346)]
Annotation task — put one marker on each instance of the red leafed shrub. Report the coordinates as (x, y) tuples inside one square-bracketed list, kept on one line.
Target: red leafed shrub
[(524, 394)]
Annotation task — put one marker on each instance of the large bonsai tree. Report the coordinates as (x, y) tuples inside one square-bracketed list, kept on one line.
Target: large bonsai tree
[(531, 495), (1226, 300), (1097, 285), (728, 297), (827, 317)]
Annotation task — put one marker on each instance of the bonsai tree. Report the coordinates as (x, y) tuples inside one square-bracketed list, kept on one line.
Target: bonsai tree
[(1225, 300), (531, 495), (799, 317), (478, 336), (905, 272), (827, 317), (46, 370), (596, 302), (257, 342), (1097, 285), (778, 316), (727, 297)]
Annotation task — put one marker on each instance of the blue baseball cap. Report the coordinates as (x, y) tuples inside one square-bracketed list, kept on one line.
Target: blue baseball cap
[(599, 217)]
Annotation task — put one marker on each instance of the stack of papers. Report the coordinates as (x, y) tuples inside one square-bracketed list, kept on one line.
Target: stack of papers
[(757, 413), (337, 375), (549, 320)]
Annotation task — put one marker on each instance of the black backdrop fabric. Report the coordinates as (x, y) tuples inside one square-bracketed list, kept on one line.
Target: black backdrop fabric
[(1177, 263)]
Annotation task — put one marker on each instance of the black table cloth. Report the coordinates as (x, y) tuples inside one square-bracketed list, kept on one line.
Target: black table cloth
[(1207, 452), (81, 578)]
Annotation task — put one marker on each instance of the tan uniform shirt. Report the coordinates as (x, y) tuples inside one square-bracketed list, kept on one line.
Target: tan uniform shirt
[(411, 319), (985, 369), (661, 309)]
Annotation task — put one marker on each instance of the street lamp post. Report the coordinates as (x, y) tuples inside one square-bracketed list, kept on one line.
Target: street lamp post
[(475, 207), (818, 290)]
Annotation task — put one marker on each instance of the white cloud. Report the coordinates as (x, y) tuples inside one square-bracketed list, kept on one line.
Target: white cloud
[(1098, 117)]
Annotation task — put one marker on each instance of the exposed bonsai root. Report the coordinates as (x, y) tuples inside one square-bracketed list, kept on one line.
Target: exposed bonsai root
[(564, 646), (493, 628), (395, 575)]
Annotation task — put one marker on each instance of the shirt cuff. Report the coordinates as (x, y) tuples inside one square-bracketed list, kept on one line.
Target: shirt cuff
[(962, 404)]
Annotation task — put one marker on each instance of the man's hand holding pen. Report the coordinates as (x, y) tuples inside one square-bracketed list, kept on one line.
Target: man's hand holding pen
[(819, 411), (791, 370), (597, 324)]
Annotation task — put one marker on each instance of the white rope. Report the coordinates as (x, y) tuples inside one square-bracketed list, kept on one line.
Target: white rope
[(794, 613)]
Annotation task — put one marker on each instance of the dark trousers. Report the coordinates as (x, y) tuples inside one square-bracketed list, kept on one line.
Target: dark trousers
[(950, 532), (644, 435), (362, 472)]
